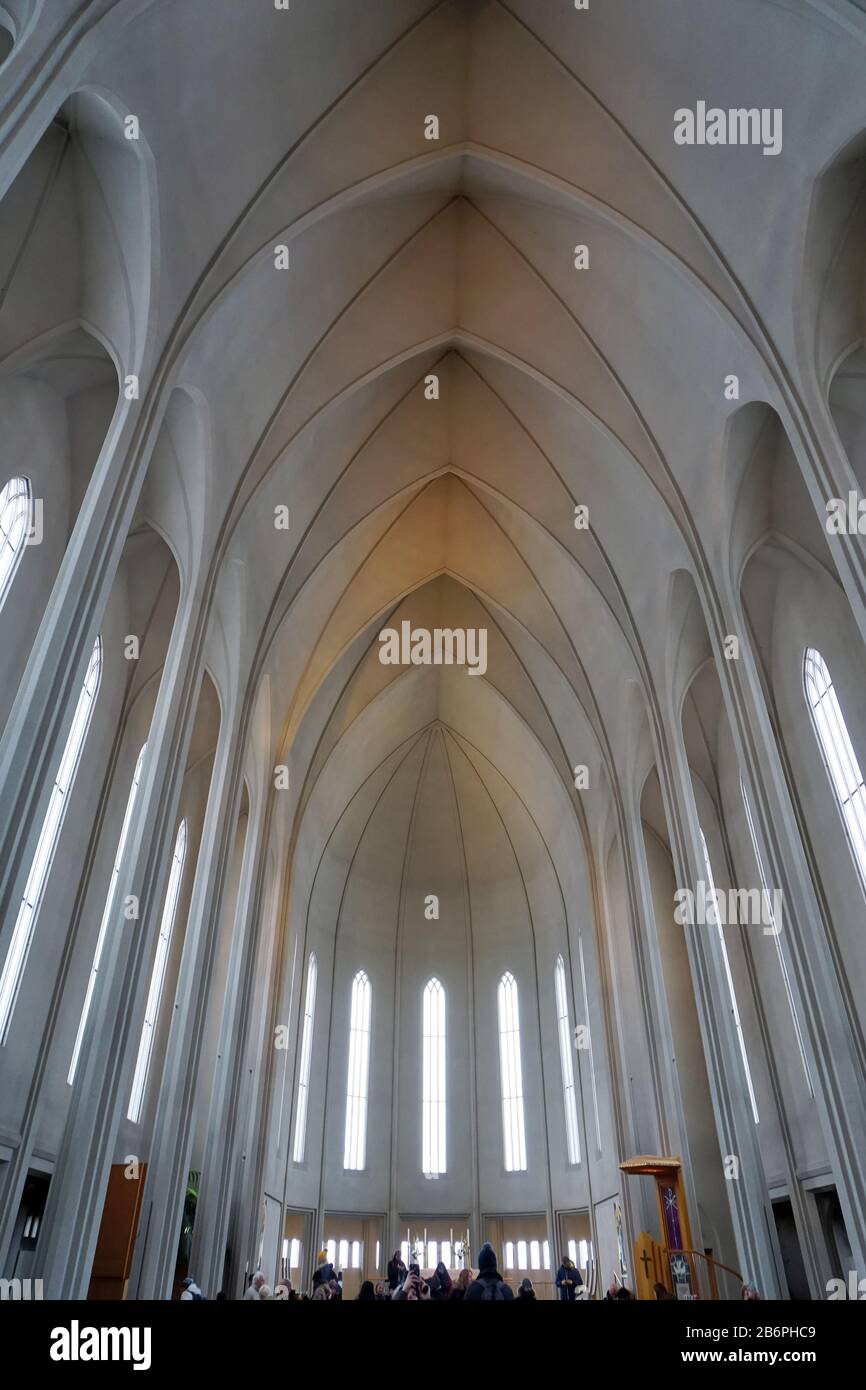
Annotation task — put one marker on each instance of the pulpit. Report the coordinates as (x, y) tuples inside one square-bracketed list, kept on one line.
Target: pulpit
[(673, 1262)]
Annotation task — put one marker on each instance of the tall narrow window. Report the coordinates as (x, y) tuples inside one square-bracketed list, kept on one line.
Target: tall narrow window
[(433, 1080), (306, 1057), (735, 1013), (837, 750), (14, 521), (511, 1076), (596, 1115), (157, 978), (569, 1097), (22, 934), (775, 929), (106, 916), (355, 1148)]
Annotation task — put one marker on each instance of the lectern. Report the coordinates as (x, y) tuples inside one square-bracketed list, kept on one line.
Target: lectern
[(671, 1264)]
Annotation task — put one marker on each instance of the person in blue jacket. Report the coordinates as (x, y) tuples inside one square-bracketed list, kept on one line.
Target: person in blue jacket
[(568, 1279)]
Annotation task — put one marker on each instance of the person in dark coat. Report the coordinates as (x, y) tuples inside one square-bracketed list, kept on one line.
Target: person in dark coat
[(367, 1293), (568, 1280), (526, 1293), (440, 1282), (396, 1271), (489, 1284)]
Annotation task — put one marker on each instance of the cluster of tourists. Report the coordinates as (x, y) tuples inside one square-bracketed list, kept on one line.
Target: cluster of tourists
[(407, 1283)]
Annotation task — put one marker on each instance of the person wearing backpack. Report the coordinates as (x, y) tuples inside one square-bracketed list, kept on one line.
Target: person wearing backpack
[(191, 1291), (489, 1286)]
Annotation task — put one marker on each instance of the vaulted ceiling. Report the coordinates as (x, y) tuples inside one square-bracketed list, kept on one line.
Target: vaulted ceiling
[(558, 387)]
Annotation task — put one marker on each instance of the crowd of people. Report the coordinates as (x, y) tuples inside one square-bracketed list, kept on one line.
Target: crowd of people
[(408, 1284), (404, 1283)]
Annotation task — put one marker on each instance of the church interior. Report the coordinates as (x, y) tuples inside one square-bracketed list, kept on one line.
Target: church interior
[(432, 668)]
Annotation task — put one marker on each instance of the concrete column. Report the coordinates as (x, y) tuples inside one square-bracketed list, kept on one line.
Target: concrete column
[(249, 1162), (751, 1209), (827, 473), (39, 721), (156, 1252), (223, 1130), (831, 1035), (74, 1209), (674, 1130)]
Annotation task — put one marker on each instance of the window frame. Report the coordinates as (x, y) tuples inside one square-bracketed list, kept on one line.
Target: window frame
[(9, 540), (358, 1074), (15, 962), (157, 976), (836, 748), (107, 912), (299, 1142), (434, 1080), (566, 1064), (511, 1075)]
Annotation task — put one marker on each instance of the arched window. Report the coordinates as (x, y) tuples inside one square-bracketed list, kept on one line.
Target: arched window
[(433, 1080), (40, 868), (106, 916), (735, 1013), (157, 978), (14, 521), (775, 928), (569, 1098), (355, 1148), (511, 1076), (837, 750), (306, 1057)]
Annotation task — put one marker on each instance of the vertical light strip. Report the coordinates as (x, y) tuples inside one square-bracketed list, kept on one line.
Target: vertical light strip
[(433, 1080), (838, 753), (735, 1013), (355, 1147), (511, 1076), (306, 1058), (106, 916), (14, 520), (589, 1035), (40, 868), (569, 1098), (157, 976), (775, 934)]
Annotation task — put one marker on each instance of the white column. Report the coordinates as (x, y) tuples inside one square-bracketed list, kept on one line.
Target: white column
[(155, 1256), (751, 1211), (75, 1200), (830, 1035), (213, 1210)]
